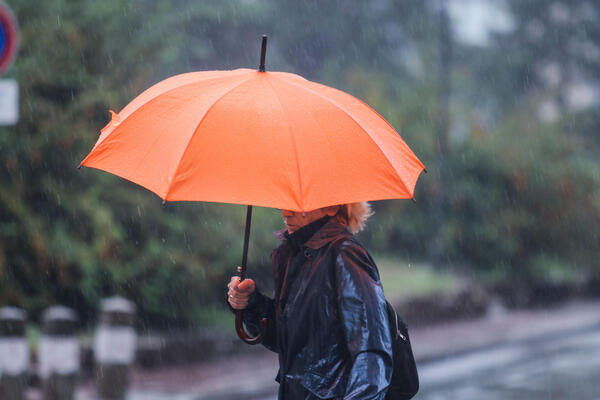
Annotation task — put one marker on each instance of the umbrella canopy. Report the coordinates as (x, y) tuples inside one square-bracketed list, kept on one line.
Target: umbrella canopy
[(269, 139)]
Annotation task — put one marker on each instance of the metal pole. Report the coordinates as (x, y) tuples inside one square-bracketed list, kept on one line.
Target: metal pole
[(444, 67), (242, 269)]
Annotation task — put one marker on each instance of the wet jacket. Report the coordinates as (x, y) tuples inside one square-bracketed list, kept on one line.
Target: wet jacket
[(328, 320)]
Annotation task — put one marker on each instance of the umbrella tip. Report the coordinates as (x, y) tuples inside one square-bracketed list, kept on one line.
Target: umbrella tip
[(414, 201), (164, 202), (425, 170), (263, 53), (80, 165)]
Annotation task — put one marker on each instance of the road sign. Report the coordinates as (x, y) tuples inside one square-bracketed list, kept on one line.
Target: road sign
[(9, 102), (9, 37)]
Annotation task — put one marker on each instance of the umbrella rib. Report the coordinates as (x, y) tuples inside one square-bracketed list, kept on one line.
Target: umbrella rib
[(141, 161), (128, 111), (110, 136), (356, 122), (293, 137), (171, 179), (158, 87)]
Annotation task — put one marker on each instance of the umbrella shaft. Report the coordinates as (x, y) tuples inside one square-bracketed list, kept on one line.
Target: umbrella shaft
[(246, 243)]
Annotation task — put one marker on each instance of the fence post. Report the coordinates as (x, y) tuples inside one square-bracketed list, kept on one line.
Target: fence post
[(114, 347), (59, 353), (14, 354)]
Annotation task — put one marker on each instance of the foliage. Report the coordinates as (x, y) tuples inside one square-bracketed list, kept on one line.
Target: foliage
[(535, 197)]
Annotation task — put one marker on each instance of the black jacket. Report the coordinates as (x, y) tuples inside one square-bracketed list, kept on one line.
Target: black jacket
[(328, 319)]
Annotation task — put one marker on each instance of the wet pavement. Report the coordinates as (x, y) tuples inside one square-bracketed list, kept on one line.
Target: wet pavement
[(535, 354), (563, 366)]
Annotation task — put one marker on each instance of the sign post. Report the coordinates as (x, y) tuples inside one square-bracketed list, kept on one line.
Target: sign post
[(9, 88), (9, 101)]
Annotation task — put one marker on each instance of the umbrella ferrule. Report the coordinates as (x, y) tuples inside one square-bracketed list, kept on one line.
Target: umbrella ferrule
[(263, 54)]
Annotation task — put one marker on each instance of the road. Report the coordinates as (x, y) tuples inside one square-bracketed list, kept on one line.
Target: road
[(550, 354), (564, 366)]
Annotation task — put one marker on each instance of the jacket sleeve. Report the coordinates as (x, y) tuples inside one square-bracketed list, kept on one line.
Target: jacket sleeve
[(365, 323), (260, 306)]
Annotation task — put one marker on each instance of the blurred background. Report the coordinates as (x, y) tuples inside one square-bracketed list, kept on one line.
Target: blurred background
[(499, 99)]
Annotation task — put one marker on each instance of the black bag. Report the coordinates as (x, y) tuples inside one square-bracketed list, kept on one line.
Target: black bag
[(405, 379)]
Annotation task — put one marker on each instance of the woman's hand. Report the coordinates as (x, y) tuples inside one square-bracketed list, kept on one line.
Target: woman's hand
[(238, 292)]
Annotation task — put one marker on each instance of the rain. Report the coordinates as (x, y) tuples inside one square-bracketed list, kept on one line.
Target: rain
[(106, 291)]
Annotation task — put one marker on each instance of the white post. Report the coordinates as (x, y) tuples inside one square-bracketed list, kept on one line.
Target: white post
[(14, 354), (59, 353), (114, 347)]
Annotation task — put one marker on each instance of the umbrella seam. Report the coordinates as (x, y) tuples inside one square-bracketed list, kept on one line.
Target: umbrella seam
[(112, 137), (169, 90), (355, 121), (406, 186), (293, 144), (171, 179), (132, 112)]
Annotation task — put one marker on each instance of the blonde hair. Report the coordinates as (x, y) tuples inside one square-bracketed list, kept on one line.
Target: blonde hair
[(354, 215)]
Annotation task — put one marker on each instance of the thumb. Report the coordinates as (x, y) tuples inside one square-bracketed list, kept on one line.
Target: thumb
[(246, 286)]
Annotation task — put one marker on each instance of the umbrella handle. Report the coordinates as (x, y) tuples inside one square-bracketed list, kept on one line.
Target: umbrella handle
[(239, 327), (242, 333)]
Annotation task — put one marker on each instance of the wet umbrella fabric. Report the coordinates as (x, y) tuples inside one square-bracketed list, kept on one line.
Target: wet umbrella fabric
[(269, 139)]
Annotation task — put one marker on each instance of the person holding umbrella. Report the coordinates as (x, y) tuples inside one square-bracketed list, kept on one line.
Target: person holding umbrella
[(327, 319), (248, 137)]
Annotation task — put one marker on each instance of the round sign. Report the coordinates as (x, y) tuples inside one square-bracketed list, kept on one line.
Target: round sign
[(9, 37)]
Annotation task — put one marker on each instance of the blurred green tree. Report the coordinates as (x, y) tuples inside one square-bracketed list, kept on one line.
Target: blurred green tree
[(523, 185)]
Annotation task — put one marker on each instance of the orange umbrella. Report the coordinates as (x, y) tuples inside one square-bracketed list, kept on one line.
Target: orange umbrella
[(271, 139)]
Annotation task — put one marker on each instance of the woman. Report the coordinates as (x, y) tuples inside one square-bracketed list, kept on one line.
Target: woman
[(327, 320)]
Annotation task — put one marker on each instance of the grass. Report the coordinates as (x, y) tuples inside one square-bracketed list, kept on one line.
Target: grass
[(402, 279), (216, 317)]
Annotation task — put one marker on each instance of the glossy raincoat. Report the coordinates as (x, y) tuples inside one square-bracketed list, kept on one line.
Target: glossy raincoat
[(328, 319)]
